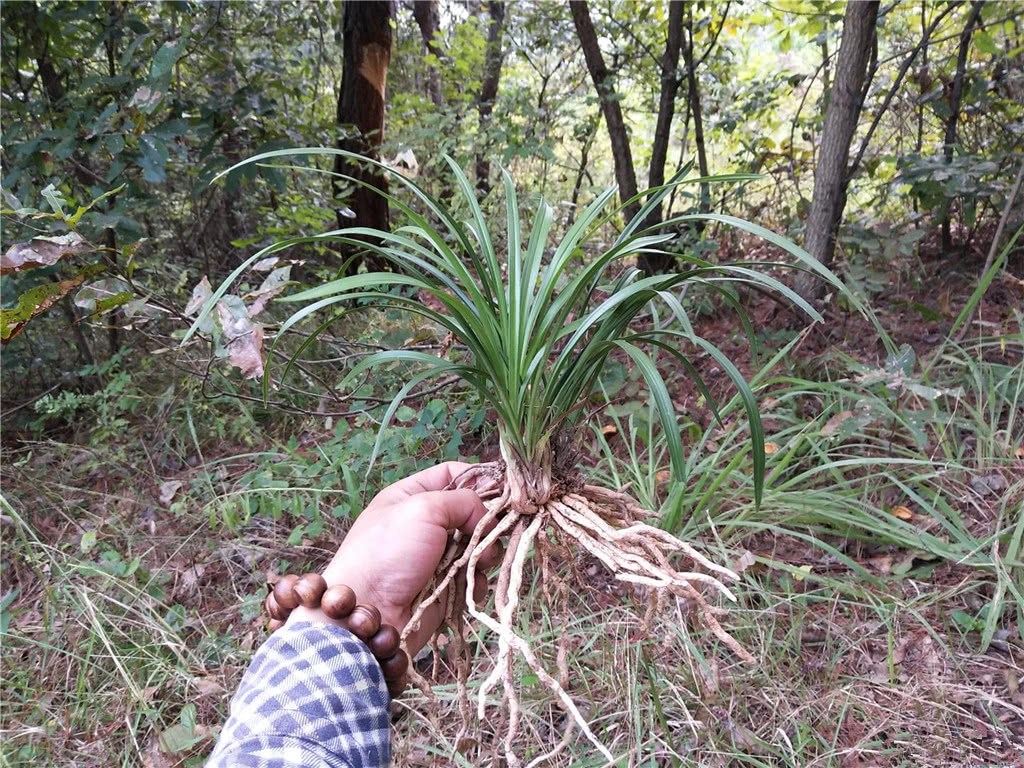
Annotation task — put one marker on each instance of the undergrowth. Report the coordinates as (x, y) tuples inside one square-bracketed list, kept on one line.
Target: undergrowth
[(880, 577)]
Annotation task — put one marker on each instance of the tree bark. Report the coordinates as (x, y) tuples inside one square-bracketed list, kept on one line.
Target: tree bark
[(366, 44), (591, 133), (698, 118), (830, 177), (955, 97), (489, 92), (653, 263), (427, 18), (625, 174)]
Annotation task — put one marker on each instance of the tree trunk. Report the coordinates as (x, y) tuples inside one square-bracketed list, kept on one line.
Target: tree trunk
[(625, 174), (427, 17), (649, 262), (366, 43), (225, 224), (698, 119), (844, 105), (583, 172), (955, 97), (489, 92)]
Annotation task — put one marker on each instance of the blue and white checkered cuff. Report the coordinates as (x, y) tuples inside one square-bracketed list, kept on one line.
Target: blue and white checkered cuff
[(313, 697)]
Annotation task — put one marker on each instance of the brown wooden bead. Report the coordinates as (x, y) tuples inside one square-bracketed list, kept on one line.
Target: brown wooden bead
[(274, 624), (338, 601), (364, 621), (284, 592), (396, 666), (273, 609), (384, 644), (310, 589), (397, 687)]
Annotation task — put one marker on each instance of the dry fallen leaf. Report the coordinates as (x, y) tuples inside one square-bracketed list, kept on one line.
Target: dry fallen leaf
[(744, 561), (168, 490), (206, 686), (902, 513), (188, 581), (770, 448), (836, 422)]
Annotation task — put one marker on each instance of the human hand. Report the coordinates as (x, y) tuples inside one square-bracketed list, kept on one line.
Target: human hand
[(396, 544)]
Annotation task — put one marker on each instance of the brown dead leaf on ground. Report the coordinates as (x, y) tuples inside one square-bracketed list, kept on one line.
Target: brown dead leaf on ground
[(154, 757), (836, 422), (903, 513), (168, 491)]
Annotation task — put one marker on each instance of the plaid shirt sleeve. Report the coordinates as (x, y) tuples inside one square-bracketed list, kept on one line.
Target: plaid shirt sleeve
[(313, 697)]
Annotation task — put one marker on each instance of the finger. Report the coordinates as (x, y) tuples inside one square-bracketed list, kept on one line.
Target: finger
[(435, 478), (492, 556), (429, 624), (452, 510), (480, 586), (434, 616)]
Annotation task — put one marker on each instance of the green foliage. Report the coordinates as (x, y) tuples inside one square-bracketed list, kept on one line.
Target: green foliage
[(117, 116), (873, 253), (336, 479), (936, 184), (538, 338), (37, 262)]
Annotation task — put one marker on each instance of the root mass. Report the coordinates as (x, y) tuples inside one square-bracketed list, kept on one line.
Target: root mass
[(549, 515)]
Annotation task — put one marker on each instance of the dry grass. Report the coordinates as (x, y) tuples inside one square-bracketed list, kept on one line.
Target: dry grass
[(848, 673), (856, 679), (127, 620)]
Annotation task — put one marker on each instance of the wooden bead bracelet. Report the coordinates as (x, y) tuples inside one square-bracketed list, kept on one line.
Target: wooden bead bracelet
[(339, 603)]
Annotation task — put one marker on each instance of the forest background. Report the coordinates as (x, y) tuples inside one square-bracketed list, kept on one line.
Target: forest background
[(149, 492)]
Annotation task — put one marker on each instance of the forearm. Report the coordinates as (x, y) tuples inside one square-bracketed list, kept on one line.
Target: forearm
[(313, 696)]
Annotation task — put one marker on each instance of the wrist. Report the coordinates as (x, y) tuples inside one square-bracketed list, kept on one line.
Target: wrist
[(366, 592), (315, 615), (310, 598)]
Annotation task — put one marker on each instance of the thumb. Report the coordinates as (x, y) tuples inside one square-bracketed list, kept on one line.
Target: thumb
[(459, 509)]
